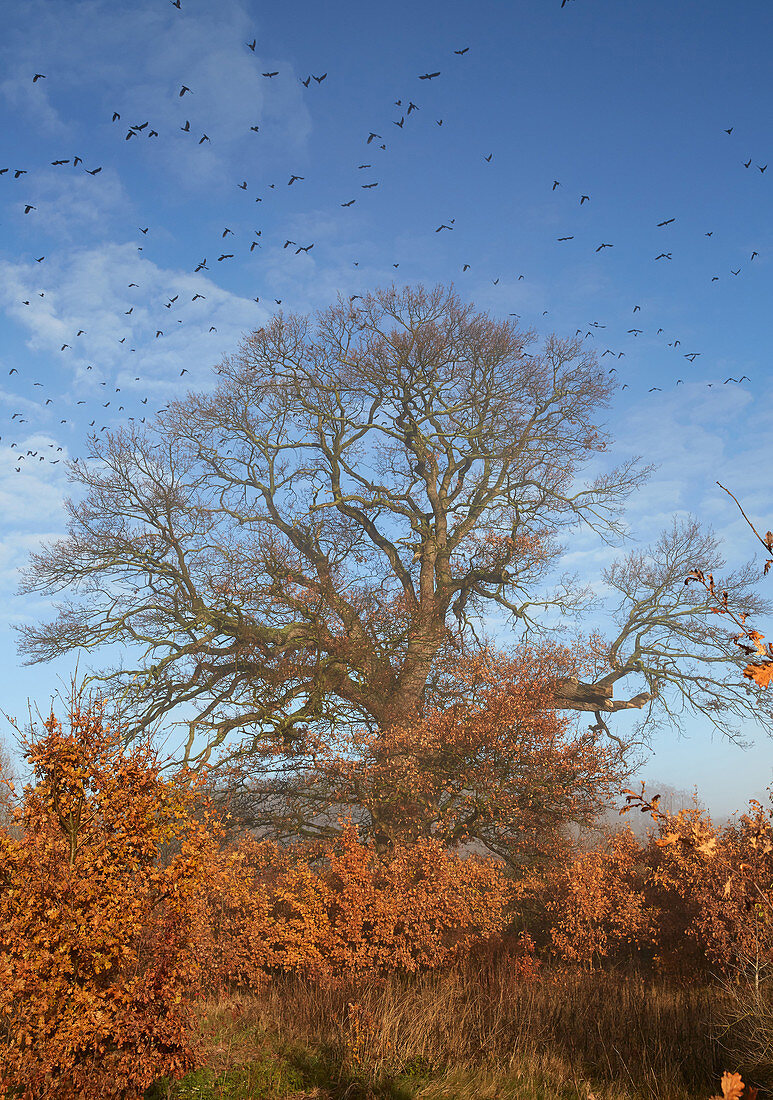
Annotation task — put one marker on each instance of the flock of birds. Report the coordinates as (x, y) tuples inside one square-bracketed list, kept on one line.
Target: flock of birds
[(230, 246)]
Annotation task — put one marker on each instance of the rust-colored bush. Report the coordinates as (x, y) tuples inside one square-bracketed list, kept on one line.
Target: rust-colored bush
[(96, 935)]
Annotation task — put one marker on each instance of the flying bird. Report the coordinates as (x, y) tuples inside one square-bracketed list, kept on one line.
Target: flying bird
[(292, 179), (186, 129), (604, 246), (564, 238), (272, 74), (349, 203), (584, 198), (429, 76), (667, 222), (183, 90), (460, 53), (251, 45), (319, 79), (555, 185)]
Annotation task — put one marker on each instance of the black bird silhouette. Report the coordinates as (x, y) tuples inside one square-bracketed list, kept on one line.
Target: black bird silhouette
[(251, 45), (195, 296), (255, 129), (287, 243), (584, 198), (202, 139), (635, 331), (443, 227), (39, 259), (186, 129), (429, 76), (225, 256), (412, 107), (202, 266), (367, 185), (738, 272), (692, 356), (175, 4), (303, 248), (466, 267), (183, 371), (226, 231), (488, 158), (711, 234), (57, 162), (272, 74), (555, 185), (292, 179), (747, 163), (729, 131), (667, 222), (158, 333), (307, 81), (653, 388), (38, 76), (243, 185), (635, 308), (371, 135), (762, 167), (183, 90), (459, 53), (564, 238), (28, 207), (19, 172), (400, 123), (604, 246), (349, 203), (664, 256), (319, 79), (93, 171), (753, 255)]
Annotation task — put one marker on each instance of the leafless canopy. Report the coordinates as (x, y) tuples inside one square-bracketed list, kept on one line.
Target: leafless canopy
[(299, 547)]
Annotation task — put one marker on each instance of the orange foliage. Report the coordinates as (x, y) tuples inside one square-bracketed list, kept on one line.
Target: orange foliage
[(598, 901), (494, 764), (95, 933), (327, 911)]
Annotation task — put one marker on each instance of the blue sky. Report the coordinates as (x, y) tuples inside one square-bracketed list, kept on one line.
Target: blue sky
[(625, 103)]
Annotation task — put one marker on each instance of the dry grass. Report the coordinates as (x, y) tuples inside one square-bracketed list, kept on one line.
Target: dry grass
[(476, 1031)]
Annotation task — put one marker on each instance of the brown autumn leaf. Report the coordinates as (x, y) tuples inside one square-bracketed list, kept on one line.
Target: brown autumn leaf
[(732, 1086), (669, 838), (761, 674), (757, 638)]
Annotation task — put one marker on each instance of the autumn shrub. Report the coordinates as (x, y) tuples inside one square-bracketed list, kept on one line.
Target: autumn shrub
[(596, 903), (724, 880), (335, 909), (96, 936)]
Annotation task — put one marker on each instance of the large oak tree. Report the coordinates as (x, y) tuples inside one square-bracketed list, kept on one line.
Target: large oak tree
[(304, 547)]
